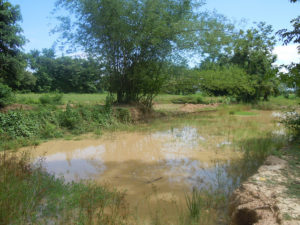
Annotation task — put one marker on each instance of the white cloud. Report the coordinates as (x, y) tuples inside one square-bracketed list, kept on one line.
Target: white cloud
[(286, 54)]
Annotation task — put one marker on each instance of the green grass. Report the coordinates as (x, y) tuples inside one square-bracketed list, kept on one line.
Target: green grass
[(168, 99), (30, 196), (33, 98), (274, 102), (292, 154), (245, 113)]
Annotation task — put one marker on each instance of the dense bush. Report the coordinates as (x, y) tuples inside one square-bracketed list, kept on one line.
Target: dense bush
[(55, 99), (50, 122), (188, 100), (227, 81), (6, 95)]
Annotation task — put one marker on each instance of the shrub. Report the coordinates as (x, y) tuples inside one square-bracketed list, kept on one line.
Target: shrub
[(188, 100), (6, 95), (123, 115), (228, 81), (70, 118), (55, 99), (16, 124)]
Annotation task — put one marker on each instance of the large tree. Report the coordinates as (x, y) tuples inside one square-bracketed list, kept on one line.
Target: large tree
[(12, 62), (252, 51), (134, 39)]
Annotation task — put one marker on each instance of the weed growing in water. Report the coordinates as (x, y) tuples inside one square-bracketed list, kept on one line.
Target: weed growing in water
[(28, 195)]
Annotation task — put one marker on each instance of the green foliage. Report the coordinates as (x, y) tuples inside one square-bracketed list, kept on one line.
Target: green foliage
[(64, 74), (16, 124), (253, 52), (70, 118), (293, 35), (12, 63), (123, 115), (292, 78), (55, 99), (230, 81), (245, 113), (29, 195), (189, 100), (216, 41), (181, 80), (257, 149), (134, 38), (6, 95), (49, 122)]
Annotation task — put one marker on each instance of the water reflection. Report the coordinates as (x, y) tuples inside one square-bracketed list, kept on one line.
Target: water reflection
[(76, 165), (176, 156)]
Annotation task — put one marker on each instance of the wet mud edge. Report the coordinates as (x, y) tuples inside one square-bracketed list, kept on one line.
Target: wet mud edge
[(259, 200)]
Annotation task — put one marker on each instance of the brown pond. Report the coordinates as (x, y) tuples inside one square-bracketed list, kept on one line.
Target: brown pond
[(155, 169)]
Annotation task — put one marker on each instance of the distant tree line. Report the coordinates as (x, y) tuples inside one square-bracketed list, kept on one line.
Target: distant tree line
[(63, 74)]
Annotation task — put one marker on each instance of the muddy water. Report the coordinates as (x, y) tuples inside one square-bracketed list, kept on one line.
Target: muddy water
[(155, 169)]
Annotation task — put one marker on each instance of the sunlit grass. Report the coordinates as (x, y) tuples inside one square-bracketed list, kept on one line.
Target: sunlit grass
[(33, 98)]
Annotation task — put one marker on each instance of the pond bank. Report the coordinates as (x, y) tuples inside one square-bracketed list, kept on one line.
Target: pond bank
[(266, 197)]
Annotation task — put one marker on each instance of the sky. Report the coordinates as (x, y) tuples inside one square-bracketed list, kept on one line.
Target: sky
[(38, 21)]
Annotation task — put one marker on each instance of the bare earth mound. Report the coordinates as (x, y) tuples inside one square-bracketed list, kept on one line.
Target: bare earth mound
[(262, 200)]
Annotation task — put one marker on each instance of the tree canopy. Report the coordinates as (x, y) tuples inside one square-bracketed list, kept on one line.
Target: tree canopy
[(133, 39), (64, 74), (11, 40)]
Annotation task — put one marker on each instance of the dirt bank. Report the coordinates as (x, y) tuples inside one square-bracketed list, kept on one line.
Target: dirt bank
[(263, 199)]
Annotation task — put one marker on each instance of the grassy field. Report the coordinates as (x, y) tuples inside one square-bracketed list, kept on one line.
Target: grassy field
[(33, 98)]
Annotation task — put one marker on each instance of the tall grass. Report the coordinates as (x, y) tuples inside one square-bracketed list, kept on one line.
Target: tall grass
[(28, 195)]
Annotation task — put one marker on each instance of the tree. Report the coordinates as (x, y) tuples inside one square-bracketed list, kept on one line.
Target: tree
[(230, 80), (134, 39), (252, 51), (12, 62), (293, 35), (216, 39), (64, 74), (292, 78)]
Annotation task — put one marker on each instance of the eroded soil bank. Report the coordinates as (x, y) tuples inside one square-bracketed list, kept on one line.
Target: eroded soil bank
[(263, 199)]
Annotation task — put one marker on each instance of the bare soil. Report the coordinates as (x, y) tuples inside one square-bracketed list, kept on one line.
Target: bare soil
[(16, 107), (263, 199)]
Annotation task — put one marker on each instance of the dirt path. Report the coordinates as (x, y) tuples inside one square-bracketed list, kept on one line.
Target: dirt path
[(266, 197)]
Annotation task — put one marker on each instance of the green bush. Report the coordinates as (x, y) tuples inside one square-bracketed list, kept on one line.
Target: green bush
[(55, 99), (188, 100), (6, 95), (16, 124), (228, 81), (123, 115)]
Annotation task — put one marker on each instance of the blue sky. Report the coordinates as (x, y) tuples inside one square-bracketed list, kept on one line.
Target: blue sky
[(38, 21)]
